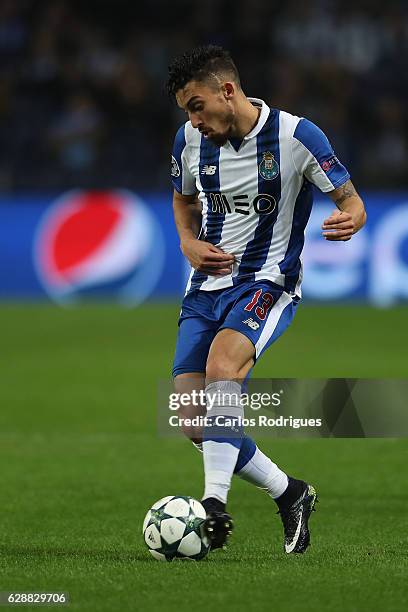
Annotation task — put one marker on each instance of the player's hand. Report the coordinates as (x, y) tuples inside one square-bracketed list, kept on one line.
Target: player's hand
[(207, 258), (339, 226)]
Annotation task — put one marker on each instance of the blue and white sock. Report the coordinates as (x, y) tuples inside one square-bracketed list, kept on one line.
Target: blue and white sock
[(222, 442), (255, 467)]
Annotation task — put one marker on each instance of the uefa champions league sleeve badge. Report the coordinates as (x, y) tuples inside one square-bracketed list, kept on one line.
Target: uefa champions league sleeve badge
[(175, 170), (268, 168)]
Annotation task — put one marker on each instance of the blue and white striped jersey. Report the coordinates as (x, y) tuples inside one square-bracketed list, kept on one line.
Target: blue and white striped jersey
[(256, 200)]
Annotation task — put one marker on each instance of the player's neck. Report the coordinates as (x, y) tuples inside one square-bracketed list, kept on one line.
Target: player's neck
[(246, 118)]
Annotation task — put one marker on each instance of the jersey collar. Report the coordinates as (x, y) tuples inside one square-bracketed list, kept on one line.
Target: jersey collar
[(264, 114)]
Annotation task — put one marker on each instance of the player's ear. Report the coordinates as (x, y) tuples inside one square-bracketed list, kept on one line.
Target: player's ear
[(228, 90)]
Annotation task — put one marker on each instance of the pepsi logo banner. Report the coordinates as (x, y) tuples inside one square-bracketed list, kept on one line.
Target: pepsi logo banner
[(106, 243), (122, 246)]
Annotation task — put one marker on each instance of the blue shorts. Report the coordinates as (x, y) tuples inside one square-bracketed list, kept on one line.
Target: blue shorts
[(260, 310)]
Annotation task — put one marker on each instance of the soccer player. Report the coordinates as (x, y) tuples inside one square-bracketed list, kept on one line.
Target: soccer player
[(245, 172)]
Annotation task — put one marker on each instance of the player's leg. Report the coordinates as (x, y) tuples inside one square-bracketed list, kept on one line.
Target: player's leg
[(197, 329), (259, 314), (294, 497), (262, 314), (191, 383), (252, 464), (230, 359), (193, 345), (231, 356)]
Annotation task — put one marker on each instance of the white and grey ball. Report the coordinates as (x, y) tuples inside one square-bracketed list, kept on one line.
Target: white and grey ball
[(171, 529)]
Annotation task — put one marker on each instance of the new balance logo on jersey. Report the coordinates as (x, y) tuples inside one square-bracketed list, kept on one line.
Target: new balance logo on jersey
[(251, 323), (209, 170)]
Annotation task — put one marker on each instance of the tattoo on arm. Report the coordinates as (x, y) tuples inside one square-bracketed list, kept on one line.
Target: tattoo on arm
[(345, 191)]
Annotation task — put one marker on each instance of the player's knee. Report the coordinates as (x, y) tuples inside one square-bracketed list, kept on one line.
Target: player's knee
[(220, 368)]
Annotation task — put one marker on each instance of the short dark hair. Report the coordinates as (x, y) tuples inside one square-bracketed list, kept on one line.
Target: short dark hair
[(200, 64)]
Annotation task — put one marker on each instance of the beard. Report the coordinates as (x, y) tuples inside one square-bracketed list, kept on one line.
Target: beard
[(220, 138)]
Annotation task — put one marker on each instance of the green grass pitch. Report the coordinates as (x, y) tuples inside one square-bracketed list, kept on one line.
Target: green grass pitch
[(81, 463)]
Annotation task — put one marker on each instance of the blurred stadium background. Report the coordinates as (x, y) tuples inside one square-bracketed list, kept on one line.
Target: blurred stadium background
[(82, 107), (91, 276)]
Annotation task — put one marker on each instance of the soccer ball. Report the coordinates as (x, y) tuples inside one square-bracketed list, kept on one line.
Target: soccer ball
[(171, 529)]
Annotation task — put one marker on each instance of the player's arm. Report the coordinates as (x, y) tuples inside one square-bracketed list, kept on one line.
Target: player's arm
[(350, 216), (203, 256), (314, 158)]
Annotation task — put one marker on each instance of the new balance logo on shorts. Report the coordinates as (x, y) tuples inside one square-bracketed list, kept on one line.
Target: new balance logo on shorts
[(210, 170), (251, 323)]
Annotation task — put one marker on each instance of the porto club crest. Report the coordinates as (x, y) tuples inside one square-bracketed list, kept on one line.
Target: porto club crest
[(268, 168)]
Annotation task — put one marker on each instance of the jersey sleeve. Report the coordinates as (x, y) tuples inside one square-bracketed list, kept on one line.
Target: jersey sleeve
[(182, 179), (314, 157)]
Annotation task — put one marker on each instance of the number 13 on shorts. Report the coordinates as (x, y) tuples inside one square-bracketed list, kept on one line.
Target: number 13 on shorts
[(265, 304)]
